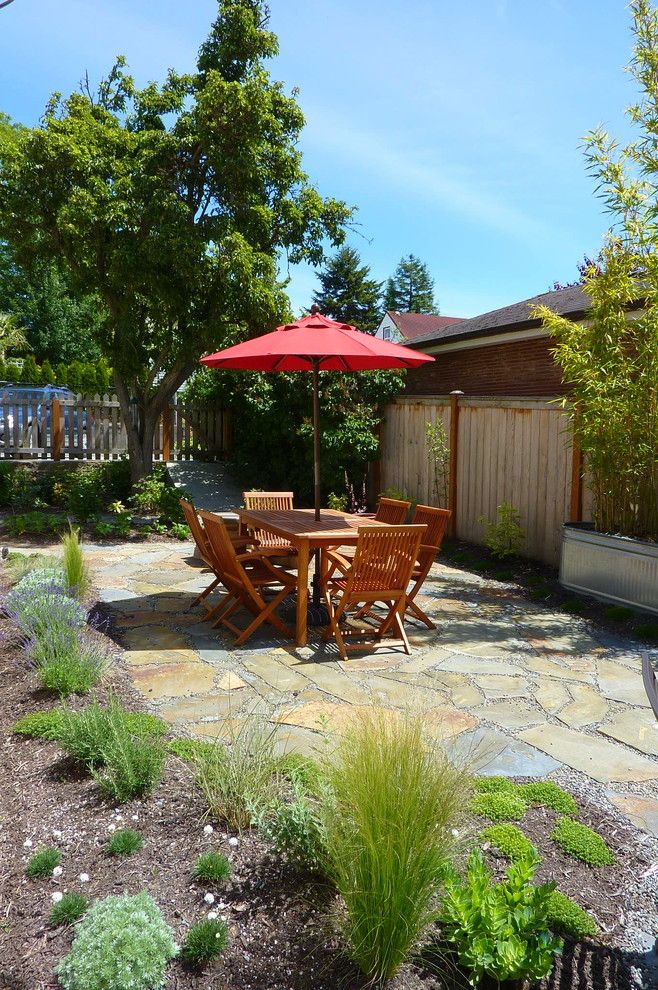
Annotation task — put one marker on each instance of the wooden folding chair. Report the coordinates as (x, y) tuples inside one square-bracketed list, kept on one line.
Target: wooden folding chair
[(203, 546), (436, 521), (383, 562), (270, 543), (243, 583), (650, 678), (392, 511)]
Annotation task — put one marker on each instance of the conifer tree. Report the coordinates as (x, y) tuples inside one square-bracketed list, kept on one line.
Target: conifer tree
[(348, 293), (411, 289)]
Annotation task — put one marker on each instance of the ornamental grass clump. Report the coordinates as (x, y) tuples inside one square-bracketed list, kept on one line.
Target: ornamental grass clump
[(122, 943), (69, 909), (205, 941), (212, 867), (76, 573), (125, 842), (43, 862), (68, 660), (237, 778), (388, 813)]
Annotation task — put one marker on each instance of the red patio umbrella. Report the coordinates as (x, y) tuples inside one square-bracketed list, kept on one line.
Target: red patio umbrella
[(316, 344)]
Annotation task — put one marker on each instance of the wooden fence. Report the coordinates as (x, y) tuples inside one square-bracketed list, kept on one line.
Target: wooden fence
[(91, 428), (515, 450)]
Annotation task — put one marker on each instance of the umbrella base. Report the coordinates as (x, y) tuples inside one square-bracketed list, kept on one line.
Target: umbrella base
[(316, 615)]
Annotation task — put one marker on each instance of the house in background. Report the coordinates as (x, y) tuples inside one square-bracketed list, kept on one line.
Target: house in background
[(402, 327), (505, 352)]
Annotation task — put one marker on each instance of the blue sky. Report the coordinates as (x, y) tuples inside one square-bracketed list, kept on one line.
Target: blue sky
[(455, 128)]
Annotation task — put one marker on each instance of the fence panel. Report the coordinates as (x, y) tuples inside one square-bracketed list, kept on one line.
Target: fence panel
[(516, 450), (91, 428)]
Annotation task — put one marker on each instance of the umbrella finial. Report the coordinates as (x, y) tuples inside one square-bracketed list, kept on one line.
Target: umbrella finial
[(315, 309)]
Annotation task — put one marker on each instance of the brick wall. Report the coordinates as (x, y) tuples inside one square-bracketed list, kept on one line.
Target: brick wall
[(521, 368)]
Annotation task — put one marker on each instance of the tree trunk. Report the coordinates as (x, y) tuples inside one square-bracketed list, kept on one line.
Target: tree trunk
[(141, 417)]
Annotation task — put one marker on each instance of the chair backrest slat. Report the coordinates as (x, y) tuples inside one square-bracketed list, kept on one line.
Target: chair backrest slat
[(392, 511), (268, 502), (436, 521), (384, 558)]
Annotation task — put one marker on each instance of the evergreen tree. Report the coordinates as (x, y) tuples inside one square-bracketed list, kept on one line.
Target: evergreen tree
[(411, 289), (348, 293)]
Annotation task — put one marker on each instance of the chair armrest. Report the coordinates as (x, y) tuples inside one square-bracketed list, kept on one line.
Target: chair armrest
[(337, 558)]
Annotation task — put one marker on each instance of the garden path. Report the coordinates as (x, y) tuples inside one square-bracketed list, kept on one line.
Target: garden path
[(520, 688)]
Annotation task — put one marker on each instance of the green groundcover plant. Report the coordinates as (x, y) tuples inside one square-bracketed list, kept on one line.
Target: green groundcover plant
[(567, 918), (122, 943), (499, 806), (581, 842), (499, 930), (509, 841)]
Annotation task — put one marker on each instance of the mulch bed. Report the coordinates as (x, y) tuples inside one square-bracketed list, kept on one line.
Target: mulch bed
[(280, 938)]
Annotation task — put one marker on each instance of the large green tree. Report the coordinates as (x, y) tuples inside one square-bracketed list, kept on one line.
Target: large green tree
[(60, 325), (347, 292), (171, 204), (411, 288)]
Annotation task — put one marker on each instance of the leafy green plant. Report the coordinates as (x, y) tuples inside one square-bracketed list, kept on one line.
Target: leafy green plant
[(581, 842), (76, 572), (337, 502), (648, 630), (71, 907), (83, 494), (293, 827), (487, 785), (34, 523), (499, 930), (125, 842), (190, 750), (619, 613), (505, 537), (212, 867), (21, 564), (438, 448), (153, 494), (180, 531), (499, 806), (387, 815), (572, 605), (509, 841), (67, 660), (43, 862), (549, 795), (39, 725), (236, 778), (301, 769), (205, 941), (566, 917), (122, 942)]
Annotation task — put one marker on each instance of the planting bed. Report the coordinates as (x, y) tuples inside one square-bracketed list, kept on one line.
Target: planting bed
[(280, 935)]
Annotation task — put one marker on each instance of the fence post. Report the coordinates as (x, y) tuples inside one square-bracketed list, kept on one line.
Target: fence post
[(166, 434), (576, 510), (453, 461), (56, 429)]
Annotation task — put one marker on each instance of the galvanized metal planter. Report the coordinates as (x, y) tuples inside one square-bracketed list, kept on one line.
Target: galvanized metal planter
[(611, 568)]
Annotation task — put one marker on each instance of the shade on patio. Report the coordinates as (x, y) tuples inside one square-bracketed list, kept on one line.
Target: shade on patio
[(316, 343)]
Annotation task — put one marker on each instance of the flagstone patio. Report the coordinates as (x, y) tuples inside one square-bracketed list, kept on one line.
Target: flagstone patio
[(521, 689)]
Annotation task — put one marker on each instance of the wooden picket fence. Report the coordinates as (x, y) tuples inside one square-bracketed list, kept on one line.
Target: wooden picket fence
[(91, 428)]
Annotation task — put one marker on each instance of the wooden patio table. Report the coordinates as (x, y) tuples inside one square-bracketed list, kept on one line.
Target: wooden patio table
[(300, 528)]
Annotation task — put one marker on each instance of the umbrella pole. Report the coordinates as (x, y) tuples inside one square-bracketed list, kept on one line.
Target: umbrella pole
[(316, 472)]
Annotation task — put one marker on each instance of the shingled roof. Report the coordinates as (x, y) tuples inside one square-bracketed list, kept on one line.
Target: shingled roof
[(572, 302), (412, 325)]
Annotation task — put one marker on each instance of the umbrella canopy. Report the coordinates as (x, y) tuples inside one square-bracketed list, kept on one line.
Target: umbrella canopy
[(316, 344)]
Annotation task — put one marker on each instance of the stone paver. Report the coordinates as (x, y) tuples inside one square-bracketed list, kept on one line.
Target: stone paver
[(510, 686)]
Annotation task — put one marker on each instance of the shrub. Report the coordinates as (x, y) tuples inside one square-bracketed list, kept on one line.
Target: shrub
[(293, 828), (301, 769), (130, 763), (510, 841), (213, 867), (43, 862), (75, 568), (581, 842), (69, 909), (67, 661), (387, 813), (122, 942), (485, 785), (238, 777), (36, 609), (499, 806), (548, 794), (619, 613), (39, 725), (504, 537), (152, 494), (83, 492), (205, 941), (499, 930), (648, 630), (125, 842), (568, 918)]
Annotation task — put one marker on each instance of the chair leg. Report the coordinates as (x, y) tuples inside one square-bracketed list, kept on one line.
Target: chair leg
[(333, 628), (267, 615), (204, 594), (221, 608), (417, 612), (399, 621)]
